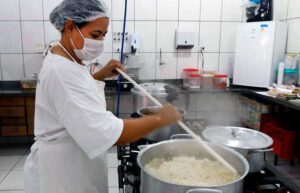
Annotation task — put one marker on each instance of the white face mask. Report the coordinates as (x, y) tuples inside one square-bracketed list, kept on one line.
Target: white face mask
[(91, 48)]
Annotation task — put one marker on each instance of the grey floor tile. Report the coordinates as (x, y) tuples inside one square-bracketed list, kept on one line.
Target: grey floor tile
[(20, 163), (111, 190), (13, 181), (113, 149), (8, 162), (3, 175), (113, 177), (112, 160)]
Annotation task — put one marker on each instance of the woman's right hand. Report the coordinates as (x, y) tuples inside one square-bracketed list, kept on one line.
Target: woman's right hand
[(168, 114)]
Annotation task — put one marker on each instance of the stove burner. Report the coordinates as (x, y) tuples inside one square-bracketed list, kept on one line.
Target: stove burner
[(129, 174)]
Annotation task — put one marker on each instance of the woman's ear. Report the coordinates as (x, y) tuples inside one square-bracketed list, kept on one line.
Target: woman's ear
[(69, 27)]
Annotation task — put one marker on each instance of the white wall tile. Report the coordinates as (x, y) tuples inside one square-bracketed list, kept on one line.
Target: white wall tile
[(9, 10), (211, 10), (32, 35), (145, 10), (194, 27), (118, 9), (169, 69), (51, 33), (166, 36), (147, 72), (294, 7), (186, 60), (228, 36), (108, 4), (49, 5), (226, 63), (206, 102), (31, 10), (208, 116), (147, 31), (280, 9), (210, 36), (167, 10), (293, 44), (12, 66), (189, 10), (210, 61), (108, 40), (232, 10), (104, 58), (10, 39), (32, 64)]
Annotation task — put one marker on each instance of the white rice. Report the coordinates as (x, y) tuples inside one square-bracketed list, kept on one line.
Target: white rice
[(190, 171)]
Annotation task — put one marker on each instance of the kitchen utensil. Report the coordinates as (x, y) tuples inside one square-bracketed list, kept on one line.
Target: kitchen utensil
[(188, 147), (250, 143), (182, 125)]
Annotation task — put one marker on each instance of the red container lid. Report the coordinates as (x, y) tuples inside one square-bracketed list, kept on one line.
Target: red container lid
[(190, 70), (194, 75), (221, 75)]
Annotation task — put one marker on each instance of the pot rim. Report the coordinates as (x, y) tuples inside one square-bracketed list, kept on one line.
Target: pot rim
[(269, 139), (245, 162), (135, 91)]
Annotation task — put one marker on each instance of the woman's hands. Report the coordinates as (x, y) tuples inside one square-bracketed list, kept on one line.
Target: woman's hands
[(108, 70), (168, 115)]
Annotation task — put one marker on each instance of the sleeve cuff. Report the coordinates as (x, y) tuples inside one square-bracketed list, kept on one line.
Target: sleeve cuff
[(112, 141)]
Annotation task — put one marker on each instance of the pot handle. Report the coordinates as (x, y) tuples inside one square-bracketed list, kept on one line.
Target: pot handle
[(181, 136), (204, 190), (260, 150)]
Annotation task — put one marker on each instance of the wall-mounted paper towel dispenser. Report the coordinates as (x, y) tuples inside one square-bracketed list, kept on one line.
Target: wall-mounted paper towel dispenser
[(184, 39)]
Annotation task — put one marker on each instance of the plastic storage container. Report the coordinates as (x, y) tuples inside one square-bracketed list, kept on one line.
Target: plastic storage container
[(185, 75), (207, 81), (290, 76), (194, 81), (220, 81)]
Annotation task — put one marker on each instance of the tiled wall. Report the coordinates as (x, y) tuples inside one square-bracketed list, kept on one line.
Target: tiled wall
[(24, 24), (291, 14)]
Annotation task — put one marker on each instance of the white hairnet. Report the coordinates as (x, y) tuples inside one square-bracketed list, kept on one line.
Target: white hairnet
[(79, 11)]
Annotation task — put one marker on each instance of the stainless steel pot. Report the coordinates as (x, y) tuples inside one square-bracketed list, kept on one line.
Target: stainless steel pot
[(164, 133), (188, 147), (250, 143), (157, 90)]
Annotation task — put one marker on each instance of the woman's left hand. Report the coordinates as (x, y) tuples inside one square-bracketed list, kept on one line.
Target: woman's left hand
[(109, 70)]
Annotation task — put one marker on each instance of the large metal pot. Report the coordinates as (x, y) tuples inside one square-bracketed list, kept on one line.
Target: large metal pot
[(250, 143), (188, 147), (163, 93), (164, 133)]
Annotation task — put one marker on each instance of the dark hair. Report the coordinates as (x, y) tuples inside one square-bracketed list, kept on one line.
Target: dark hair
[(80, 25)]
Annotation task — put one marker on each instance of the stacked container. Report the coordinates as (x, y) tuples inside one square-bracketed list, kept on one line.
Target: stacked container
[(185, 75)]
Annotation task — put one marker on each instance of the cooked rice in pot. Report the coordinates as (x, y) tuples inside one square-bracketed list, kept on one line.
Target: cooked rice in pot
[(189, 171)]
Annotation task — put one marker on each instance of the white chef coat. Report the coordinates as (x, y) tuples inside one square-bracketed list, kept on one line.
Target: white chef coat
[(73, 131)]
